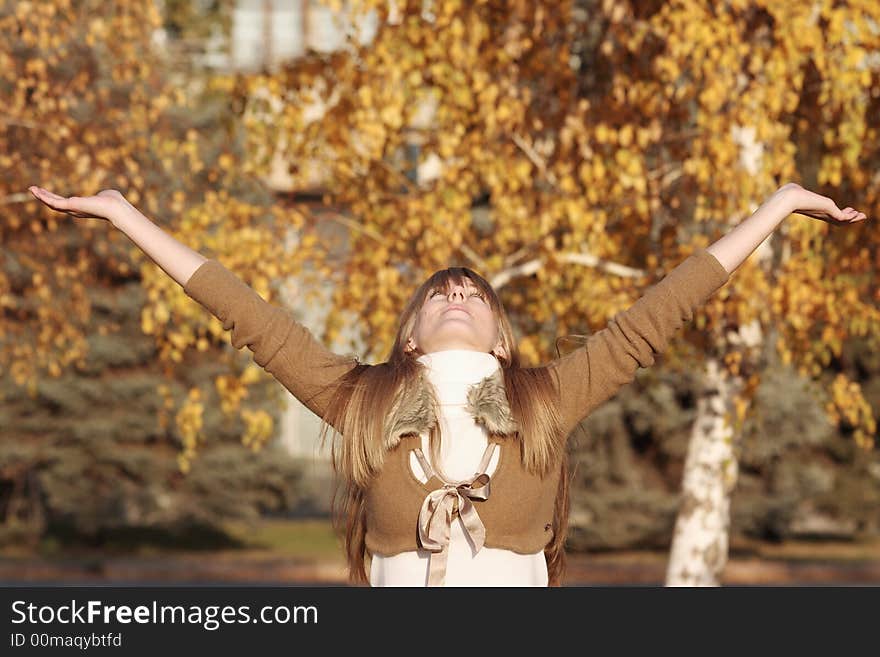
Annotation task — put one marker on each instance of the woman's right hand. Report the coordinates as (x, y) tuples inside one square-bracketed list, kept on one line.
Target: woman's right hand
[(106, 204)]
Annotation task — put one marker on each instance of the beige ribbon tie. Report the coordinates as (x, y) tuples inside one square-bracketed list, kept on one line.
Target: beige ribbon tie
[(435, 521)]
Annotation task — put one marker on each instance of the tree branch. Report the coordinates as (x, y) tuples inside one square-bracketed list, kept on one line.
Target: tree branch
[(22, 123), (399, 175), (536, 159), (475, 259), (354, 225), (528, 268), (20, 197)]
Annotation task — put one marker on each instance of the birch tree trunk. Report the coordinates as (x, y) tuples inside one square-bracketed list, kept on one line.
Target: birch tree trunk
[(700, 539), (701, 536)]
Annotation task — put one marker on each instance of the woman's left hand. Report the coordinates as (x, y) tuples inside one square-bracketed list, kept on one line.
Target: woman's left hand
[(803, 201)]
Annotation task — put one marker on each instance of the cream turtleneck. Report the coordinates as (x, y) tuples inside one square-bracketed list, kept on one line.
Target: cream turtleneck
[(462, 444)]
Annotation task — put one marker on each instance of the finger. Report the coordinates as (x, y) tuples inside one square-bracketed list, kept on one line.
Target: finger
[(58, 203), (54, 197), (44, 194), (54, 201)]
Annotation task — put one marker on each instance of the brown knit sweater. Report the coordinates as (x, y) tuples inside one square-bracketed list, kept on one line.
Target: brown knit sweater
[(519, 511)]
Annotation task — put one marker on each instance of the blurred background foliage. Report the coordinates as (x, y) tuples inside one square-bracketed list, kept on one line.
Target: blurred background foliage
[(572, 152)]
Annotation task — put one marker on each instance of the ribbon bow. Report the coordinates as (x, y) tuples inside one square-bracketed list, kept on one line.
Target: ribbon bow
[(435, 521)]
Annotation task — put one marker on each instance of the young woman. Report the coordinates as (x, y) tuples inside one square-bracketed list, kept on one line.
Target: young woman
[(451, 454)]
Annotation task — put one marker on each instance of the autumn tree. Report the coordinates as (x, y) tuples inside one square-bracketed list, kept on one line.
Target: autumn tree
[(89, 103), (777, 92), (572, 152)]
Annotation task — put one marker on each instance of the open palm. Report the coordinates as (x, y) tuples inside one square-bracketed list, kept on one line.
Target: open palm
[(810, 204), (101, 206)]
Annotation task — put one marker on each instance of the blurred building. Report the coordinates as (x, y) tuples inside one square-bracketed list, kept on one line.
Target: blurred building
[(261, 35), (265, 33)]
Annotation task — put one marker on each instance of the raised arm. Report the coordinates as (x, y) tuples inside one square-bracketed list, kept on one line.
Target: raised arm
[(732, 249), (595, 372), (174, 258), (281, 345)]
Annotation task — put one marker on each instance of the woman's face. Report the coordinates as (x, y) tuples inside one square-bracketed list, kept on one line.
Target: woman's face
[(458, 317)]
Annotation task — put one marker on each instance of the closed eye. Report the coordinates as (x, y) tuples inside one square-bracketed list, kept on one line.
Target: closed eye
[(475, 293)]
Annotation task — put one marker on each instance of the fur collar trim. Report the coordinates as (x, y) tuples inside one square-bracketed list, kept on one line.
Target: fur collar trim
[(415, 410)]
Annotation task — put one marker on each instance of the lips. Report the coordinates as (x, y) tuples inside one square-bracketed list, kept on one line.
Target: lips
[(455, 308)]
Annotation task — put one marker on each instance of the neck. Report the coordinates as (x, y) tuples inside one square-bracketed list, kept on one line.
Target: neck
[(453, 371)]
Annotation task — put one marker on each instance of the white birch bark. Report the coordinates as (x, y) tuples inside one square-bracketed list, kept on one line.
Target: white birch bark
[(700, 540)]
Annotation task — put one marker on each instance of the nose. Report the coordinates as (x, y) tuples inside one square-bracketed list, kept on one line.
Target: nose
[(456, 294)]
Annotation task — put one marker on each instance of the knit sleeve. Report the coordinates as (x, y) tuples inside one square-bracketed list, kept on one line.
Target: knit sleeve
[(282, 346), (595, 372)]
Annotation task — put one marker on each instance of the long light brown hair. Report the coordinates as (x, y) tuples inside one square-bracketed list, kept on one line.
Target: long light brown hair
[(366, 394)]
